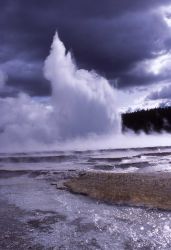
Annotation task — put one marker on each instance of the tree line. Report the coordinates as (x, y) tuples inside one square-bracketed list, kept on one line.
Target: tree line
[(157, 119)]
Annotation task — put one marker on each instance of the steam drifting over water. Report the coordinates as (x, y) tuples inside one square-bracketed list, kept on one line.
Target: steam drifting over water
[(81, 114)]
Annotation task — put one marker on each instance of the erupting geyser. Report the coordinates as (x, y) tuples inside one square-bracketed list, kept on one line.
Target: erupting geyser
[(81, 114), (84, 102)]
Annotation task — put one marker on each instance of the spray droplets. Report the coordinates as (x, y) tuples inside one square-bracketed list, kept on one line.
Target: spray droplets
[(84, 102)]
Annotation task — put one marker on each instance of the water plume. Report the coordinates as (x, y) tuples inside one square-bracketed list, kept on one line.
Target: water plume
[(81, 113), (84, 102)]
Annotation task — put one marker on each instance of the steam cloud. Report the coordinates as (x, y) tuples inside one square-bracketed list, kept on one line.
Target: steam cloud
[(81, 114), (82, 104)]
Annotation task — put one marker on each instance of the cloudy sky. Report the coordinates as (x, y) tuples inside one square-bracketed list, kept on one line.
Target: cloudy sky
[(128, 42)]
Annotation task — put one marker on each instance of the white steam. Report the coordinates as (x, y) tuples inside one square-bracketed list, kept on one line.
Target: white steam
[(23, 122), (81, 114), (82, 104), (84, 101)]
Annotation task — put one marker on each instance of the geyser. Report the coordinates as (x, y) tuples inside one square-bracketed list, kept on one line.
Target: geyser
[(84, 102), (81, 114)]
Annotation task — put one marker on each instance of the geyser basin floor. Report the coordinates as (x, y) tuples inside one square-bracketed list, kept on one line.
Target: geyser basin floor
[(151, 190), (35, 214)]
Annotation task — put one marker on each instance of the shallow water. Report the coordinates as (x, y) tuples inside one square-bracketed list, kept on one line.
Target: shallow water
[(56, 219), (139, 159)]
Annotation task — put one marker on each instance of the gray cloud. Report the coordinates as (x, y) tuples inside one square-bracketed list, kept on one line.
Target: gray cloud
[(110, 37), (163, 93)]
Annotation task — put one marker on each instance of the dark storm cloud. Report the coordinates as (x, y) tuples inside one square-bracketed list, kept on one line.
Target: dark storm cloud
[(33, 85), (111, 37)]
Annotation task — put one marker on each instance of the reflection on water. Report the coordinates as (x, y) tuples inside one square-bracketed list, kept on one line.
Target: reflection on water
[(117, 160), (60, 220)]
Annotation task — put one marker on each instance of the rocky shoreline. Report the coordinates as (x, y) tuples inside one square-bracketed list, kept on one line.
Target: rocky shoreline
[(151, 190)]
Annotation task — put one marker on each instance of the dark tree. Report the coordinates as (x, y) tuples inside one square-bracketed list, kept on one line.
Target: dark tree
[(157, 120)]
